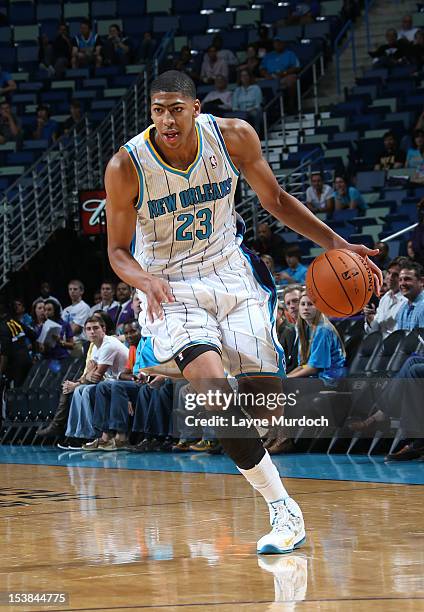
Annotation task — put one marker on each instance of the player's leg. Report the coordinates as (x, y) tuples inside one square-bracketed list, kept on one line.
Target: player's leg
[(249, 455)]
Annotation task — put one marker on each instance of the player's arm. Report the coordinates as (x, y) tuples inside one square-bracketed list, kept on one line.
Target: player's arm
[(121, 185), (244, 148)]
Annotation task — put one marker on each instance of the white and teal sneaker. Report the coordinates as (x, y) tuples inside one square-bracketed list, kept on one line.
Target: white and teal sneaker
[(288, 529)]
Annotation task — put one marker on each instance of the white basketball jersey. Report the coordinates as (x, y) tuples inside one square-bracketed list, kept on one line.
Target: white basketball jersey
[(186, 224)]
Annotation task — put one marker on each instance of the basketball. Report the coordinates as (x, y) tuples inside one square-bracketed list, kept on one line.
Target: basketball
[(339, 282)]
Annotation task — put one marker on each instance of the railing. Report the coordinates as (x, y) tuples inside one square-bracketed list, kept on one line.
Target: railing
[(293, 182), (316, 64), (399, 233), (349, 32)]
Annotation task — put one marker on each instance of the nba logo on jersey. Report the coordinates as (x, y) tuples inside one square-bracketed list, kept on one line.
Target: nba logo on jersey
[(213, 161)]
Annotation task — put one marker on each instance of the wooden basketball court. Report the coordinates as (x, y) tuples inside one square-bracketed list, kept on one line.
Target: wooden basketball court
[(125, 539)]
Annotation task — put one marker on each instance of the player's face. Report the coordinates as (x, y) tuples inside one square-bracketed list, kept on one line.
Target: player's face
[(173, 114), (307, 310), (409, 285)]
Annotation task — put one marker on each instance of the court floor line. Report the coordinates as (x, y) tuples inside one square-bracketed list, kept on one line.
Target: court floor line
[(192, 501), (232, 603)]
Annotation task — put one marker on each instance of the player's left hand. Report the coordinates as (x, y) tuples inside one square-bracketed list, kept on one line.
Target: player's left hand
[(366, 253)]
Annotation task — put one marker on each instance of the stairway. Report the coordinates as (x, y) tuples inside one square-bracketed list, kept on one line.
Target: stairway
[(384, 14)]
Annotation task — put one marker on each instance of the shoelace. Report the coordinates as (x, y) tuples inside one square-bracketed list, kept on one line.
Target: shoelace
[(283, 518)]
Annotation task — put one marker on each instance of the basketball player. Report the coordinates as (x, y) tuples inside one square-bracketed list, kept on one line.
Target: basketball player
[(204, 308)]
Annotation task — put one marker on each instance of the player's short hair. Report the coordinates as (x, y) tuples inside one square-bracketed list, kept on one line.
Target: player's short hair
[(174, 81)]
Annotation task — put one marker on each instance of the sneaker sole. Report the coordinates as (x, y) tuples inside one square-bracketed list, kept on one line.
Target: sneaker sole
[(269, 549)]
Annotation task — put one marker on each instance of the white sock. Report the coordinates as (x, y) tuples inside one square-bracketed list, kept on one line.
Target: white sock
[(265, 478)]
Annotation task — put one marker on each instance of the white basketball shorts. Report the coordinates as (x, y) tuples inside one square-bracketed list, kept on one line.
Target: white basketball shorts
[(233, 309)]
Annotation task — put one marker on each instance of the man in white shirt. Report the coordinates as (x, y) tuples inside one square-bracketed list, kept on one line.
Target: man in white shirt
[(224, 54), (212, 66), (107, 291), (319, 197), (407, 30), (218, 99), (78, 312), (108, 358), (383, 319)]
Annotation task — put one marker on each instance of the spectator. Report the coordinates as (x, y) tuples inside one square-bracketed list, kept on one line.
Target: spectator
[(19, 312), (7, 84), (269, 262), (268, 242), (347, 197), (224, 54), (321, 351), (74, 118), (396, 51), (78, 312), (252, 63), (411, 315), (64, 342), (248, 97), (109, 357), (382, 259), (116, 48), (287, 332), (15, 360), (219, 99), (284, 65), (264, 44), (407, 30), (38, 315), (152, 416), (212, 66), (62, 50), (319, 197), (417, 238), (57, 425), (383, 319), (295, 272), (147, 47), (46, 294), (303, 12), (415, 156), (417, 50), (321, 356), (45, 54), (107, 304), (97, 297), (186, 63), (410, 250), (86, 49), (111, 410), (136, 305), (45, 128), (392, 156), (10, 127), (124, 312)]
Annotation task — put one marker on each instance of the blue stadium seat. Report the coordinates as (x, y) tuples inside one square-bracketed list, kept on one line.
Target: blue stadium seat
[(5, 35), (35, 145), (194, 24), (370, 181), (27, 54), (201, 41), (290, 32), (127, 8), (273, 13), (21, 13), (49, 12), (162, 24), (182, 6), (8, 58), (319, 29), (234, 40), (221, 20), (104, 8), (136, 26), (365, 239), (214, 4), (21, 158), (49, 28)]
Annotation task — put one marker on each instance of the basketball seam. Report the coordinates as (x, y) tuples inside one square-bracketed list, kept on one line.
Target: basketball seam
[(325, 301), (365, 281), (340, 282)]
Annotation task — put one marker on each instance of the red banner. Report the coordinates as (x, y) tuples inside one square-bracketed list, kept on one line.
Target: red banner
[(93, 213)]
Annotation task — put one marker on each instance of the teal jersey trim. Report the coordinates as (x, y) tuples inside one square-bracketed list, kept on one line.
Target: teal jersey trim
[(185, 173), (223, 145), (139, 174)]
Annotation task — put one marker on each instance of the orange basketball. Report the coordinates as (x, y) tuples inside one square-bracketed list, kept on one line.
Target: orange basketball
[(339, 282)]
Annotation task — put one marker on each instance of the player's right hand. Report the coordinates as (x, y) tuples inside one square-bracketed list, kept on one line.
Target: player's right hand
[(158, 292)]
